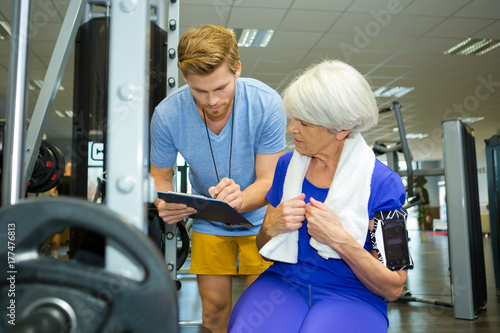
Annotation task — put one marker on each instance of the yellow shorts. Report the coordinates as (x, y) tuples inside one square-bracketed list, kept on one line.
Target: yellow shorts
[(217, 255)]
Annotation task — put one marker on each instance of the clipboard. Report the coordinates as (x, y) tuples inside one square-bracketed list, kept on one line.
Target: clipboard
[(207, 208)]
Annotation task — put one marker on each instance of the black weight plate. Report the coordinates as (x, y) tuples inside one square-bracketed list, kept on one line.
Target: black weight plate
[(43, 170), (183, 250), (55, 172), (149, 305)]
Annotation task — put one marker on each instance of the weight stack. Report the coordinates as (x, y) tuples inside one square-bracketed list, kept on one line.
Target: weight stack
[(90, 107)]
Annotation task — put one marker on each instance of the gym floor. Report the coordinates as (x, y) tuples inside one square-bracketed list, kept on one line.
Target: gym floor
[(429, 279)]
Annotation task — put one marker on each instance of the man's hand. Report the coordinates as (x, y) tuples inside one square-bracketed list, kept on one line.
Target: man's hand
[(228, 191), (172, 213)]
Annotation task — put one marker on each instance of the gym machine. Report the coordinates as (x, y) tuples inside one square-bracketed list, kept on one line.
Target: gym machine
[(49, 165), (467, 267), (493, 172), (468, 274), (134, 292)]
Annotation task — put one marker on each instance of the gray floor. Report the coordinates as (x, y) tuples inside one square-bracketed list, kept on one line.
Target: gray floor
[(429, 280)]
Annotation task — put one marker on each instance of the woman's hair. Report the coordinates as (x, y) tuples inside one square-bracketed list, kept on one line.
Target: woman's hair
[(202, 50), (334, 95)]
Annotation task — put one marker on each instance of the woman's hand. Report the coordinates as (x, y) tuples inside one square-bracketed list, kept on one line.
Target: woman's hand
[(287, 216), (324, 226)]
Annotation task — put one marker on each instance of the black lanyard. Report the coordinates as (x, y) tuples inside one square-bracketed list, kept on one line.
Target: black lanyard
[(210, 144)]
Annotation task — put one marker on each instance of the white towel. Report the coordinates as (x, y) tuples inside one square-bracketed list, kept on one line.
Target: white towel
[(347, 197)]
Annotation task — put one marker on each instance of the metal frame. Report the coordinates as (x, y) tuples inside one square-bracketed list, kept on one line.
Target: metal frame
[(12, 175), (50, 87), (129, 185), (172, 28)]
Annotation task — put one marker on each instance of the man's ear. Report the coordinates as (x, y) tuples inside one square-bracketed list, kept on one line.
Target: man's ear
[(185, 78), (342, 134), (238, 70)]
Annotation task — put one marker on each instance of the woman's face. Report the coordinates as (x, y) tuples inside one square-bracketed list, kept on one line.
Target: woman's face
[(310, 139)]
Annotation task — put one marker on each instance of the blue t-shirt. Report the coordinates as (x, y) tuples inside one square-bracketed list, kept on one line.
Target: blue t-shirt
[(387, 193), (259, 128)]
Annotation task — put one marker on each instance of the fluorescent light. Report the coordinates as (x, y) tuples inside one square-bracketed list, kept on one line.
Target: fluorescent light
[(69, 113), (252, 37), (60, 113), (470, 120), (392, 91), (403, 91), (267, 38), (411, 136), (489, 48), (476, 46), (38, 83), (247, 37), (458, 46), (473, 46), (6, 26)]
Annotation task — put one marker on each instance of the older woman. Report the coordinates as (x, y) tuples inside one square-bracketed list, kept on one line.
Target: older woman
[(327, 199)]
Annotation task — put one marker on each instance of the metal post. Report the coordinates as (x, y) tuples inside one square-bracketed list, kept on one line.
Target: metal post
[(172, 29), (129, 184), (464, 222), (404, 146), (50, 87), (12, 174)]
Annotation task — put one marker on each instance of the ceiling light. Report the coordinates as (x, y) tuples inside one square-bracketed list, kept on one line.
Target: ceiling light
[(38, 83), (60, 113), (252, 37), (491, 47), (5, 30), (69, 113), (471, 120), (458, 46), (411, 136), (267, 38), (473, 46), (247, 37), (392, 91)]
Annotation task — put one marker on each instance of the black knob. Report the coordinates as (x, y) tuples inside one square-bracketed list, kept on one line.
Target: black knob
[(172, 24), (171, 82), (171, 53)]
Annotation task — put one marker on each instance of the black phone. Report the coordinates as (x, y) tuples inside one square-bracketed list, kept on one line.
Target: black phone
[(396, 243)]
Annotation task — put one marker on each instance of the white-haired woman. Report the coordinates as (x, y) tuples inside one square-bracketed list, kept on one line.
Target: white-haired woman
[(323, 228)]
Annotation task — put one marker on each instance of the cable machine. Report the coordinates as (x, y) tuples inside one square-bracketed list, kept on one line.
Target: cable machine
[(468, 277)]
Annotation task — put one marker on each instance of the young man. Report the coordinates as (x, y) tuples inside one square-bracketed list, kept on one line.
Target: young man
[(231, 132)]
